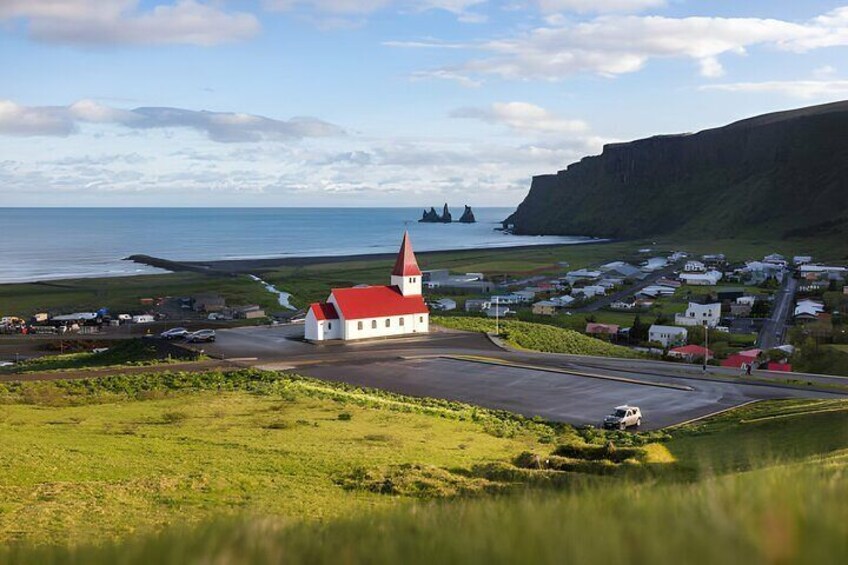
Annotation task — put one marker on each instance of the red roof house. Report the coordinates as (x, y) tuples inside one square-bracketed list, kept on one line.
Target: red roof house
[(737, 360), (610, 329), (691, 352)]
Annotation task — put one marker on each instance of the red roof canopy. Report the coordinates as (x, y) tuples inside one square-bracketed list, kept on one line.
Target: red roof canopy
[(406, 265), (377, 302), (324, 311), (696, 350)]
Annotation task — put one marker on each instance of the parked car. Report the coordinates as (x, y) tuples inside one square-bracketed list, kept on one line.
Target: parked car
[(201, 336), (6, 364), (624, 417), (174, 333)]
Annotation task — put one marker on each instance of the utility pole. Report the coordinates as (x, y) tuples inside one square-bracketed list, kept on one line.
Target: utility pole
[(497, 313), (706, 344)]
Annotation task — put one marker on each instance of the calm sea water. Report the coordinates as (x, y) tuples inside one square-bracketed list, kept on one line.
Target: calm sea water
[(55, 243)]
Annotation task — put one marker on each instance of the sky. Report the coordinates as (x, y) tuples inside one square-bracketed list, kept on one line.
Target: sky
[(378, 102)]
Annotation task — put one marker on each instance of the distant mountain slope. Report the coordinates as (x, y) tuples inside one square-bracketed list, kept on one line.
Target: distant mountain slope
[(778, 175)]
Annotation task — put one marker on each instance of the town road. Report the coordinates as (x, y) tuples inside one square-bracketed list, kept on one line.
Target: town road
[(774, 328)]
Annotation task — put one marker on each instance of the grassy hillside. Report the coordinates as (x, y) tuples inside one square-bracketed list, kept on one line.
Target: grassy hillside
[(788, 508), (103, 458), (537, 337)]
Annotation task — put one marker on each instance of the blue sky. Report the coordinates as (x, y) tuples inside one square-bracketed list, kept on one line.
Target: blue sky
[(377, 102)]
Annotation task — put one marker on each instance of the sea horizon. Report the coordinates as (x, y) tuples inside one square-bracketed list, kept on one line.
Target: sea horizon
[(89, 242)]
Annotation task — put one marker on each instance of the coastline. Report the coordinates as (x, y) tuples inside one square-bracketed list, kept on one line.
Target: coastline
[(233, 267)]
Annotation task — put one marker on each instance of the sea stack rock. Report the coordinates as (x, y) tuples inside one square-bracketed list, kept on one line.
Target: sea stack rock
[(430, 216), (467, 216), (446, 215)]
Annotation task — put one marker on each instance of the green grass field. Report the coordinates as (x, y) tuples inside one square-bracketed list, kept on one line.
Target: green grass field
[(269, 468)]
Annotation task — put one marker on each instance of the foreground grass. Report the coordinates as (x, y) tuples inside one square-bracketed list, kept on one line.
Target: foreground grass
[(781, 515), (98, 459), (537, 337)]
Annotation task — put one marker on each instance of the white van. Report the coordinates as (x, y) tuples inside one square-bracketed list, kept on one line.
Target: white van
[(143, 319)]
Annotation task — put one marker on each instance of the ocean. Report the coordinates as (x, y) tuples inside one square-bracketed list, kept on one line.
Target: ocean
[(38, 244)]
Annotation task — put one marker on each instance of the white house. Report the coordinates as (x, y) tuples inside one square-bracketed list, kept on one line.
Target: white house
[(445, 304), (373, 311), (589, 291), (563, 301), (699, 315), (802, 259), (667, 335), (710, 278), (694, 267), (654, 291), (655, 264), (583, 274)]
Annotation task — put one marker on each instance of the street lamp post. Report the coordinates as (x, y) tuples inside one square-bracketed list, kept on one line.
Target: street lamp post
[(497, 314), (706, 345)]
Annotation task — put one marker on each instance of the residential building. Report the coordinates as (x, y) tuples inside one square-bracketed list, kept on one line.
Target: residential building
[(743, 358), (602, 329), (251, 312), (477, 304), (691, 353), (583, 274), (667, 335), (700, 315), (445, 304), (563, 301), (694, 267), (654, 264), (209, 303), (498, 311), (710, 278), (374, 311), (545, 308), (802, 260)]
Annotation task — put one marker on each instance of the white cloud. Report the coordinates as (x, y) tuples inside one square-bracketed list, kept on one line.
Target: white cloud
[(612, 45), (370, 6), (124, 22), (597, 6), (824, 71), (522, 117), (226, 127), (804, 89)]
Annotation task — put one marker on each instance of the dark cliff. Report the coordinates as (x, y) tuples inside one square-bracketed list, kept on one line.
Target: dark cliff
[(781, 175)]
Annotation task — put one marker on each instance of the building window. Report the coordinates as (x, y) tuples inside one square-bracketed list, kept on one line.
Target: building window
[(329, 325), (421, 319), (388, 323), (359, 325), (401, 321), (373, 324)]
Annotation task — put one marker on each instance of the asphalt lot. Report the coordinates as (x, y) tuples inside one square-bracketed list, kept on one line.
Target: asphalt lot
[(574, 399)]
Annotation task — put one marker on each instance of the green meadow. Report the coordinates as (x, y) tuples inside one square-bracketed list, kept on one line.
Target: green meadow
[(250, 466)]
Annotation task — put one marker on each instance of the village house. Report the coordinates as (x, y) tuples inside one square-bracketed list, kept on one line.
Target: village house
[(802, 260), (545, 308), (667, 335), (445, 304), (477, 304), (374, 311), (700, 315), (710, 278), (250, 312), (602, 329), (691, 353), (654, 264), (694, 267)]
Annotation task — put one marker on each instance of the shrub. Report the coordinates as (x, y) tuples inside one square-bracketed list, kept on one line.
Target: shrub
[(345, 416)]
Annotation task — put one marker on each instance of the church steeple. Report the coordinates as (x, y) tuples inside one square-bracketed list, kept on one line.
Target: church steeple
[(406, 275)]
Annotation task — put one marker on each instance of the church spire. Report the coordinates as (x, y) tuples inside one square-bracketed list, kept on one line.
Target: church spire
[(406, 265)]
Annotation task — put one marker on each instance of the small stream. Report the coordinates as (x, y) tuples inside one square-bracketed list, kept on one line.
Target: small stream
[(283, 297)]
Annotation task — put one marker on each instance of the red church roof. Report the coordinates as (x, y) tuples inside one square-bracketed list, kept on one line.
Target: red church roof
[(377, 302), (406, 265), (324, 311)]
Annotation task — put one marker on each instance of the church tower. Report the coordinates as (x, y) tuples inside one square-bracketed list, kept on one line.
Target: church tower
[(406, 275)]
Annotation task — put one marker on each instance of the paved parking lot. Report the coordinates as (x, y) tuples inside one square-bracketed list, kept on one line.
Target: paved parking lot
[(554, 396)]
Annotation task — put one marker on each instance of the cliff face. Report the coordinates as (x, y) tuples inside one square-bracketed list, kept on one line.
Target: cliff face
[(778, 175)]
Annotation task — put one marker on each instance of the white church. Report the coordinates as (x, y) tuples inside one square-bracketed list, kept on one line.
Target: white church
[(365, 312)]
